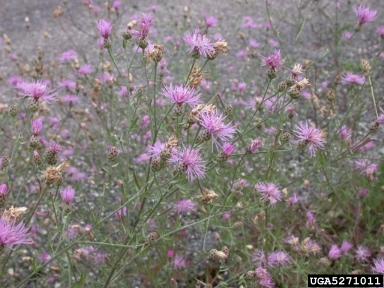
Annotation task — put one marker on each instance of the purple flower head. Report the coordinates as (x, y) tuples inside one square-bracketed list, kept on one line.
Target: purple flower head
[(269, 192), (67, 194), (56, 148), (184, 206), (380, 30), (278, 258), (379, 266), (254, 146), (105, 28), (310, 218), (259, 257), (181, 94), (12, 234), (345, 247), (116, 4), (37, 90), (210, 21), (199, 44), (155, 150), (143, 26), (70, 98), (264, 277), (68, 56), (362, 254), (345, 133), (37, 126), (69, 84), (212, 121), (3, 190), (366, 167), (228, 149), (334, 252), (85, 69), (311, 136), (353, 78), (380, 120), (190, 162), (273, 60), (179, 262), (364, 14), (119, 215)]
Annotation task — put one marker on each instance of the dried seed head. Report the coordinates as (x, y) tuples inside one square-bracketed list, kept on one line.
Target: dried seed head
[(237, 224), (251, 275), (331, 96), (152, 237), (365, 66), (208, 196), (14, 213), (172, 142), (131, 25), (225, 250), (53, 174), (195, 77), (58, 12), (13, 111), (307, 64), (113, 152)]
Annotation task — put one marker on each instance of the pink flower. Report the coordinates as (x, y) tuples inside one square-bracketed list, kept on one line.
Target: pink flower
[(364, 14), (105, 28), (198, 44), (143, 26), (68, 56), (119, 215), (210, 21), (179, 262), (37, 126), (310, 218), (215, 127), (190, 162), (228, 149), (362, 254), (380, 120), (273, 60), (85, 69), (379, 266), (181, 94), (259, 257), (279, 258), (155, 150), (345, 133), (55, 148), (254, 146), (184, 206), (67, 194), (269, 192), (345, 247), (12, 234), (3, 190), (70, 98), (69, 84), (311, 136), (366, 167), (265, 278), (334, 252), (353, 78), (380, 30), (116, 4), (248, 22), (37, 90)]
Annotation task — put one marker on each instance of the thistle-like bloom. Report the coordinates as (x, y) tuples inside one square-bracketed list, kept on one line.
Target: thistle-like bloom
[(67, 194), (362, 254), (37, 126), (334, 252), (3, 190), (68, 56), (37, 90), (190, 162), (310, 136), (265, 278), (215, 127), (366, 168), (273, 60), (345, 133), (184, 206), (364, 14), (199, 44), (345, 247), (278, 258), (254, 146), (12, 234), (380, 120), (353, 78), (379, 266), (269, 192), (228, 149), (143, 26), (181, 94), (105, 28)]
